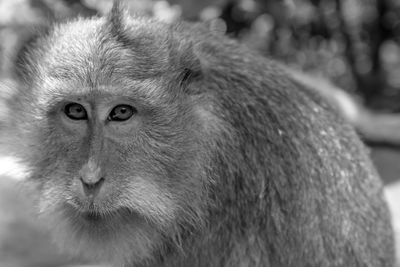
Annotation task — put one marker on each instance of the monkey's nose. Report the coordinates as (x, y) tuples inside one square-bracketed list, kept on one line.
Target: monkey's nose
[(91, 188)]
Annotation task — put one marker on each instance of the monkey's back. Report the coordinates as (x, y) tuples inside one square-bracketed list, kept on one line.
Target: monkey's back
[(297, 172)]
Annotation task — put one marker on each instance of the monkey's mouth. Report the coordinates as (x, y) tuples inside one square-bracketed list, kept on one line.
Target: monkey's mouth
[(92, 213), (94, 216)]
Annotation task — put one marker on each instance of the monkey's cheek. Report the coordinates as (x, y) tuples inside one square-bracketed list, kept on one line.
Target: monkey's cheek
[(153, 201)]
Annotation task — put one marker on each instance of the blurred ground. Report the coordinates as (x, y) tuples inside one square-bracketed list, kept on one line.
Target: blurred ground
[(393, 198), (387, 160)]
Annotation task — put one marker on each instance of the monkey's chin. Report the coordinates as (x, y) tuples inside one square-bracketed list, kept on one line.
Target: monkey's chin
[(119, 237)]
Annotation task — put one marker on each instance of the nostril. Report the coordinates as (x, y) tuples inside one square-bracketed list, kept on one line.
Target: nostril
[(91, 189)]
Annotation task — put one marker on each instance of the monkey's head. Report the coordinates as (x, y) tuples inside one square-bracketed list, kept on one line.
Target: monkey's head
[(115, 135)]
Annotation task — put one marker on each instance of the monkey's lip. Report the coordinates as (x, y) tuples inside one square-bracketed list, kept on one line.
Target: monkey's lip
[(95, 213), (95, 216)]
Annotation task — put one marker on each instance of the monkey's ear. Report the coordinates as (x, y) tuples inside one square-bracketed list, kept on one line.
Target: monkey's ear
[(190, 73), (190, 68)]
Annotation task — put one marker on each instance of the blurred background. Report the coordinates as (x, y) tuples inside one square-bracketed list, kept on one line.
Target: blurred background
[(353, 44)]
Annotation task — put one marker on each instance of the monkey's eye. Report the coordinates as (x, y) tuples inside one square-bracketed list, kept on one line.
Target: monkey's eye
[(75, 111), (121, 113)]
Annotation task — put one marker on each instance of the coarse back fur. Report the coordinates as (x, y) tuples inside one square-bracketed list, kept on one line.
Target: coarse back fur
[(229, 161)]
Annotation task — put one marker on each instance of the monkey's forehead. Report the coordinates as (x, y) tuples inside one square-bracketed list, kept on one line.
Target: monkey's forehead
[(84, 48), (147, 92)]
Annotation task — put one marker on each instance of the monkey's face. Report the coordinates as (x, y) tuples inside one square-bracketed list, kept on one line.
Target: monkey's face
[(115, 165), (118, 150)]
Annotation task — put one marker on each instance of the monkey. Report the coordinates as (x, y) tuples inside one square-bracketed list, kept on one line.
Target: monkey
[(164, 144)]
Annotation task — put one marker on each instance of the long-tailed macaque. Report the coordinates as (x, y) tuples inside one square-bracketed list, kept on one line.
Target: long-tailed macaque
[(158, 144)]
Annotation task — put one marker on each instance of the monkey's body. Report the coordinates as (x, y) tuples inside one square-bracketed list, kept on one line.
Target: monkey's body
[(228, 162)]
